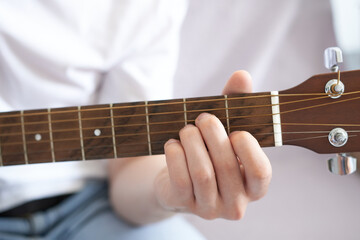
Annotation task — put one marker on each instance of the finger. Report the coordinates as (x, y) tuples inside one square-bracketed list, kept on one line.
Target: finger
[(224, 160), (200, 167), (239, 82), (256, 164), (181, 186)]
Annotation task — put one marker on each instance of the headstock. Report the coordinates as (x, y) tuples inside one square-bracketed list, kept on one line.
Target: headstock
[(323, 114)]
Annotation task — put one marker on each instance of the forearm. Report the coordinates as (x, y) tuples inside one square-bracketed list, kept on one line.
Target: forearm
[(132, 188)]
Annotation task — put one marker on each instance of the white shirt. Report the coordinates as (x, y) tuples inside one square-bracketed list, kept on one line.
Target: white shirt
[(70, 53)]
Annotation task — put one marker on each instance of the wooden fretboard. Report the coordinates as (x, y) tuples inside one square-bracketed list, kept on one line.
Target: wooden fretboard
[(125, 129)]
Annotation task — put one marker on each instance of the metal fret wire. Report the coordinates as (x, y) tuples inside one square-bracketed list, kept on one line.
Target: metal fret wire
[(113, 130), (23, 137), (185, 112), (148, 128), (81, 135), (51, 136), (227, 114)]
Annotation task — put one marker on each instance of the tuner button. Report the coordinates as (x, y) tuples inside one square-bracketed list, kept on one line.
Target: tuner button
[(338, 137), (332, 57), (342, 164)]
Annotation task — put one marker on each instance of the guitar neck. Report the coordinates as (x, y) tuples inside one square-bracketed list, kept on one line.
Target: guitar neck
[(304, 116), (128, 129)]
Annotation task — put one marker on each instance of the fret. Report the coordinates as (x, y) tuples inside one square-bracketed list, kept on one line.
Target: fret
[(81, 135), (51, 136), (12, 149), (65, 125), (185, 114), (227, 114), (148, 127), (245, 116), (276, 118), (23, 137), (97, 130), (166, 118), (37, 136), (213, 105), (113, 129), (130, 129)]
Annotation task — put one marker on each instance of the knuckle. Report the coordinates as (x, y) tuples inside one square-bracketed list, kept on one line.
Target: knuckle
[(263, 174), (185, 201), (182, 184), (236, 212), (203, 176), (210, 209), (255, 195), (228, 165)]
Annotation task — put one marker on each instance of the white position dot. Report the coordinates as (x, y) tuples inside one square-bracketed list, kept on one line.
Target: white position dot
[(97, 132), (37, 137)]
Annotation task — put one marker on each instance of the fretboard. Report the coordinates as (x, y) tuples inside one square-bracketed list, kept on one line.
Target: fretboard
[(127, 129)]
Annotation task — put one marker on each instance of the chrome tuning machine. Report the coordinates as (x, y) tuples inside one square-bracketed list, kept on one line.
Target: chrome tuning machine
[(332, 57), (342, 164)]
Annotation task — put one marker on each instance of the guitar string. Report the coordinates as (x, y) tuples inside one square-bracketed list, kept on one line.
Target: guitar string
[(168, 113), (215, 98), (176, 131), (236, 117), (165, 113), (292, 110), (28, 134), (161, 143), (172, 122)]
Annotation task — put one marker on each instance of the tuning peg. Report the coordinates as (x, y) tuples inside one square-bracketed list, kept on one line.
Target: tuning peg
[(332, 57), (342, 164)]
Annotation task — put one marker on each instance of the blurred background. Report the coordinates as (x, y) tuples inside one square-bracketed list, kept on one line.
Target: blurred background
[(281, 43)]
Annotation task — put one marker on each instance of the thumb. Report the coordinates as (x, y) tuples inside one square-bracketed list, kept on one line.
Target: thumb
[(239, 82)]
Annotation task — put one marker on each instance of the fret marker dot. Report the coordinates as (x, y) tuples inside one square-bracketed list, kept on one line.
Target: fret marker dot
[(37, 137), (97, 132)]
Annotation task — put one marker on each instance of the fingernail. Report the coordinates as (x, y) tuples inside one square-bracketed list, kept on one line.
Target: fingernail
[(202, 116), (171, 141)]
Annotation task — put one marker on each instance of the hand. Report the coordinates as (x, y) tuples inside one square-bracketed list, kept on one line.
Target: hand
[(220, 181)]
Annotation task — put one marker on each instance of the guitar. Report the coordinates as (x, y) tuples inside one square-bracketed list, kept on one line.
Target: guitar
[(306, 116)]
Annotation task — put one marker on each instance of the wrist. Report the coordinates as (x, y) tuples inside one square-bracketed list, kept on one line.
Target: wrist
[(160, 194)]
